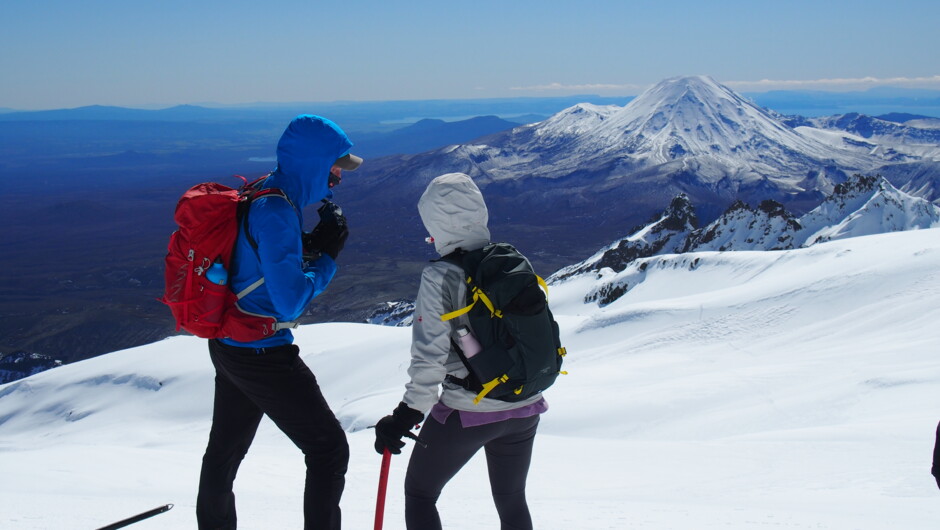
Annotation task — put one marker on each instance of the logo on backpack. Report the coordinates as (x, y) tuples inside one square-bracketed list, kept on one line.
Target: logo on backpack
[(520, 352), (200, 251)]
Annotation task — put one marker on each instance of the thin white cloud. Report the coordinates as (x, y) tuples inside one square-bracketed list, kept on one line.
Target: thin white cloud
[(836, 83), (763, 84)]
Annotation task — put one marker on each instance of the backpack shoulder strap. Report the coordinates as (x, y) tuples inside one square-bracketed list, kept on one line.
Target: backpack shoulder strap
[(250, 196), (476, 294)]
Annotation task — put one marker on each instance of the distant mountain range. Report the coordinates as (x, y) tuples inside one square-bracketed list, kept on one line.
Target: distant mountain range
[(596, 170), (863, 205), (353, 115), (559, 188), (880, 101), (913, 139)]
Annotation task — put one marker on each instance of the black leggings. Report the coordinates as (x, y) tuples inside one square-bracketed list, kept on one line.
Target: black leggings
[(508, 447), (276, 382)]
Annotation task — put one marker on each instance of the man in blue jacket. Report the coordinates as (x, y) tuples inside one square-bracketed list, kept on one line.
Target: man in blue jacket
[(267, 376)]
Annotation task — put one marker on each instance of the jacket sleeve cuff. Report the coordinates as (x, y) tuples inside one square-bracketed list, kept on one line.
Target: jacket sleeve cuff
[(321, 272)]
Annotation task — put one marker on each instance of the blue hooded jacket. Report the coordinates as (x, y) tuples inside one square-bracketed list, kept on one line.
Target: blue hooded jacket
[(305, 153)]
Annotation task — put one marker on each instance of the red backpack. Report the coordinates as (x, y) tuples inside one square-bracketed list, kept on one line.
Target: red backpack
[(208, 216)]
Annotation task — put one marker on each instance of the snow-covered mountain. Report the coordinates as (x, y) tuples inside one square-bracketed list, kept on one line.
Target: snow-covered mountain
[(667, 234), (767, 227), (890, 140), (863, 205), (697, 119), (599, 170), (725, 390), (396, 313), (688, 124), (912, 149)]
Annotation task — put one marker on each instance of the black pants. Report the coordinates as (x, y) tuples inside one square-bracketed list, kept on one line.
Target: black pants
[(508, 447), (275, 381)]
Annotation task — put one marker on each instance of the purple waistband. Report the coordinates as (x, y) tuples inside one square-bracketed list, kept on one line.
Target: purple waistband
[(470, 418)]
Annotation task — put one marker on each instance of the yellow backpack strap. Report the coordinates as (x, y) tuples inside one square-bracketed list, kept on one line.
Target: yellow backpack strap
[(543, 285), (487, 387), (476, 296), (464, 310), (454, 314), (480, 296)]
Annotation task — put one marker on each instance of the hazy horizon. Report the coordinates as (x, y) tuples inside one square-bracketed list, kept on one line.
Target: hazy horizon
[(871, 101), (106, 52)]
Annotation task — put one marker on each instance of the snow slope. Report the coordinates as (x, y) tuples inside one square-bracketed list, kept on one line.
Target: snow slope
[(794, 389)]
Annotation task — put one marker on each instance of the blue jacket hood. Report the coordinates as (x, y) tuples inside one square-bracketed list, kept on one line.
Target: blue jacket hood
[(305, 153)]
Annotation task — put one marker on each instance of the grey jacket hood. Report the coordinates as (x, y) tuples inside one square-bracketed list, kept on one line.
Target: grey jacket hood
[(454, 214)]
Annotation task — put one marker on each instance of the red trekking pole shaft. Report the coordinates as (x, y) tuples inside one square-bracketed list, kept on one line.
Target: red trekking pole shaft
[(383, 485)]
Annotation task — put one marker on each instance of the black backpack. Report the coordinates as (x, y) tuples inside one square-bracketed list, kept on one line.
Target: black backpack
[(508, 312)]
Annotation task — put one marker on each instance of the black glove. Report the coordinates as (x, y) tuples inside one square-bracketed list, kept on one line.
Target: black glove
[(390, 429), (331, 214), (333, 240), (329, 236)]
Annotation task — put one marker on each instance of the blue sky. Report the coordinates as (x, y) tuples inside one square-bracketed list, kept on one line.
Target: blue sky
[(66, 53)]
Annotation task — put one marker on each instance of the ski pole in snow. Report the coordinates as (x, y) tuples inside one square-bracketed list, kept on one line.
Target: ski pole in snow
[(137, 518), (383, 485)]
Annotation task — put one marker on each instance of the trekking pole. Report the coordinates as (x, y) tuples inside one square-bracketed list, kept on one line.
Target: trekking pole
[(137, 518), (383, 479), (383, 485)]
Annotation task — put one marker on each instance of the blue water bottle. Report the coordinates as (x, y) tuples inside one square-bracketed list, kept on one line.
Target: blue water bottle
[(217, 274)]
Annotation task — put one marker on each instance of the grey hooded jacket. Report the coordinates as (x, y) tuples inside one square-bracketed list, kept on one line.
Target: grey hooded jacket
[(454, 214)]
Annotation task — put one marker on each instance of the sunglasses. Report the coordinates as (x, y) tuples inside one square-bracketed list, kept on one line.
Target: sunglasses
[(336, 176)]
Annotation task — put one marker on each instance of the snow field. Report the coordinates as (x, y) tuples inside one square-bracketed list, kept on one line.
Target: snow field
[(791, 389)]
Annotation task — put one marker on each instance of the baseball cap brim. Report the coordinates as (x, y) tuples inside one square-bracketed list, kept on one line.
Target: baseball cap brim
[(348, 162)]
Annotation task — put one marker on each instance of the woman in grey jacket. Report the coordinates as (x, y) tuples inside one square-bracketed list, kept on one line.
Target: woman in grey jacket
[(454, 214)]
